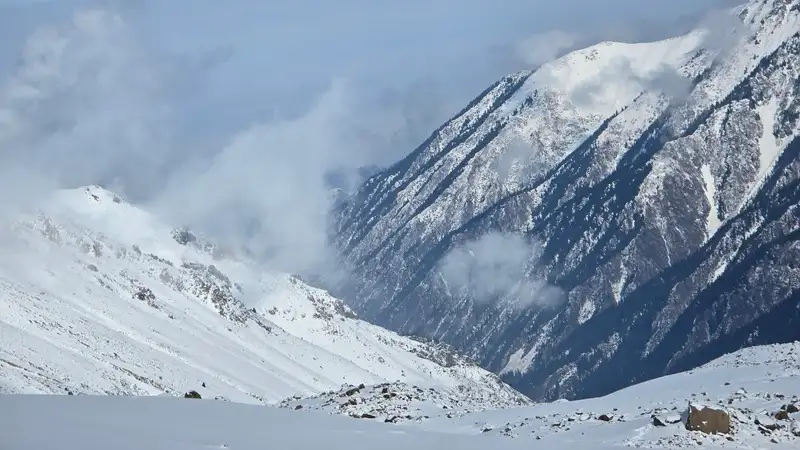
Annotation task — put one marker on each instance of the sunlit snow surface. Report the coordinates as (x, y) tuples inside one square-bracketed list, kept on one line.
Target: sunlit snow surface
[(98, 297), (751, 385)]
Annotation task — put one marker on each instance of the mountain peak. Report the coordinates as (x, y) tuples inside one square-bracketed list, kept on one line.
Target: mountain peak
[(104, 291), (654, 183)]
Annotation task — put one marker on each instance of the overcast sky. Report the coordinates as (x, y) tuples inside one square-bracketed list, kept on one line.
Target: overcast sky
[(229, 115)]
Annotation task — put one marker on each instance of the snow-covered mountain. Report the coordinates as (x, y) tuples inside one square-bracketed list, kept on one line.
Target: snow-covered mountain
[(656, 184), (99, 297), (754, 391)]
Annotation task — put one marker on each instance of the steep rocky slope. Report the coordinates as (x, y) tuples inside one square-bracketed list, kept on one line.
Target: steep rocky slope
[(656, 185)]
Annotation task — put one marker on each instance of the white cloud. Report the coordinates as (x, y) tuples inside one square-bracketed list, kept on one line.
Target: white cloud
[(90, 103), (266, 188), (497, 268), (86, 104), (174, 112), (541, 48)]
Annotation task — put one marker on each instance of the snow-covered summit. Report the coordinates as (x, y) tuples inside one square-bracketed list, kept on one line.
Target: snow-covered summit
[(98, 296)]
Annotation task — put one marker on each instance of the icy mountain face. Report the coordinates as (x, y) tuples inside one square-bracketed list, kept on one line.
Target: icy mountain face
[(658, 184), (99, 297)]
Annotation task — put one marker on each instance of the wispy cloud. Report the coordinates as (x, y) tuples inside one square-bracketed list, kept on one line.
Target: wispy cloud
[(84, 104), (267, 187), (498, 268), (230, 119)]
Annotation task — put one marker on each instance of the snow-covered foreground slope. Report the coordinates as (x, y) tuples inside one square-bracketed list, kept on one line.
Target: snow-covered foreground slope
[(97, 296), (750, 385), (87, 423)]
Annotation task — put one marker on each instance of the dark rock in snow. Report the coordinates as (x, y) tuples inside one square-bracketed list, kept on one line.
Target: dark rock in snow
[(352, 391)]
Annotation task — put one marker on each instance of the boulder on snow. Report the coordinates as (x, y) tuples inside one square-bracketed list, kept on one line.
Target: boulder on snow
[(792, 408), (352, 391), (767, 423), (708, 420), (192, 394), (604, 418), (658, 422)]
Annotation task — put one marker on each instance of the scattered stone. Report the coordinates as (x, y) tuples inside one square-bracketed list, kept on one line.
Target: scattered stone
[(767, 423), (792, 408), (658, 422), (367, 416), (352, 391), (204, 384), (708, 420), (782, 415)]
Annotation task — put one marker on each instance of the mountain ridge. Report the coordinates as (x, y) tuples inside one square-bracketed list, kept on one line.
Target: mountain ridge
[(637, 212), (100, 297)]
